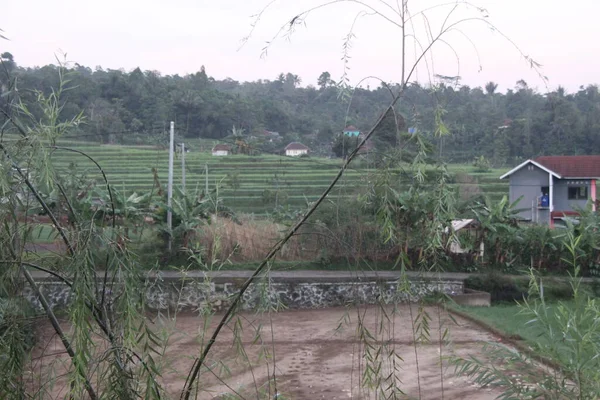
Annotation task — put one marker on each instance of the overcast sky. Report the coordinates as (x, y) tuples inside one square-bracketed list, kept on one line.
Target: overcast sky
[(179, 36)]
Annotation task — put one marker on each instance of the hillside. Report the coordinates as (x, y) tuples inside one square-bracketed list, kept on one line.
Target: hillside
[(135, 107)]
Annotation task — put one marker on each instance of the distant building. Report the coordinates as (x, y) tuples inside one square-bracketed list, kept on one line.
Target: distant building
[(506, 124), (295, 149), (221, 150), (472, 230), (351, 130), (272, 135), (553, 188)]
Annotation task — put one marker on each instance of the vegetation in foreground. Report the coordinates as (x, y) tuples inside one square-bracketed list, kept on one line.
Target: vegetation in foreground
[(566, 334), (112, 348)]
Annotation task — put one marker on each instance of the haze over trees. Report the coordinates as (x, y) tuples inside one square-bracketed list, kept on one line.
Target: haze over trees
[(131, 107)]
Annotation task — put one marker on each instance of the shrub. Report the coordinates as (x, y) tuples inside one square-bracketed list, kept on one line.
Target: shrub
[(510, 289), (481, 164), (500, 288)]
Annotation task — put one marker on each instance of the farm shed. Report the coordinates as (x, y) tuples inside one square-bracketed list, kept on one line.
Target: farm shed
[(466, 231)]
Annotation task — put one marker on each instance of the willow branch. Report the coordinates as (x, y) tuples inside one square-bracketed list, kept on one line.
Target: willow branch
[(37, 196), (112, 206), (187, 390), (59, 332), (39, 268)]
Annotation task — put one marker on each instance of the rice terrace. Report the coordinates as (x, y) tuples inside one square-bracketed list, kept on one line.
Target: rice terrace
[(194, 207), (242, 180)]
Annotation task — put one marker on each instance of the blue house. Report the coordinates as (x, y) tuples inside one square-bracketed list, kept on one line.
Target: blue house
[(552, 188), (351, 130)]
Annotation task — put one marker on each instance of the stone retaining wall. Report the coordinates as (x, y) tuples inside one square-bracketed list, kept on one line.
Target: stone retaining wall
[(176, 291)]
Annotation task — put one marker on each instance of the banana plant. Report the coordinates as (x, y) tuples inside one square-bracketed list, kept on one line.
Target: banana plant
[(190, 212), (499, 225)]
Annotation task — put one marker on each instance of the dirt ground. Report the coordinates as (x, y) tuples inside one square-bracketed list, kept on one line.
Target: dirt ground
[(312, 359)]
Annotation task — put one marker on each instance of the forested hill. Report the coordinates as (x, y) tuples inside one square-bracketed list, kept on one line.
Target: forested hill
[(126, 107)]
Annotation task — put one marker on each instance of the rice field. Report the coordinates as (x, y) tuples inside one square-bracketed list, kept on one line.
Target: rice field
[(241, 180)]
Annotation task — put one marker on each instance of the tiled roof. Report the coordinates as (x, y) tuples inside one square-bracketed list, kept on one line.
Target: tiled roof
[(221, 147), (572, 166), (296, 146)]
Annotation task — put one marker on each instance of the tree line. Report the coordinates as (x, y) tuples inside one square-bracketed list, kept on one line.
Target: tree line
[(134, 107)]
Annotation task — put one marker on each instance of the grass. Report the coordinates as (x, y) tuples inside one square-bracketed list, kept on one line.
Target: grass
[(518, 324), (507, 318), (43, 234)]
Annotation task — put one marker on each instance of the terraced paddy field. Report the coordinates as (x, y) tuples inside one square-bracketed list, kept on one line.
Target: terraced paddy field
[(242, 180)]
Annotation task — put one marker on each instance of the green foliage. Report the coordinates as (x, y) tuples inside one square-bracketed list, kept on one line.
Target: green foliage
[(105, 329), (233, 180), (568, 337), (16, 340), (415, 221), (514, 289), (501, 288), (481, 164), (343, 145), (131, 107), (512, 247)]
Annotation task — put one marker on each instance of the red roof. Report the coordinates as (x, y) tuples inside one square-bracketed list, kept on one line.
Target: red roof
[(572, 166), (221, 147), (351, 128), (296, 146)]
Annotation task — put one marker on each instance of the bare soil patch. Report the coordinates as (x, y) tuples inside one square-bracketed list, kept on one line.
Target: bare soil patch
[(311, 358)]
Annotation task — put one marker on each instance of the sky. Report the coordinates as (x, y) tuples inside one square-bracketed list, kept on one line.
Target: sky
[(180, 36)]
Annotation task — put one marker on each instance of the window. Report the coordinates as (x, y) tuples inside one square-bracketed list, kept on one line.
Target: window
[(578, 193)]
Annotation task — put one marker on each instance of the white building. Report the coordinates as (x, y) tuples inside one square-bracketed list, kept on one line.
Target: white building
[(221, 150), (295, 149)]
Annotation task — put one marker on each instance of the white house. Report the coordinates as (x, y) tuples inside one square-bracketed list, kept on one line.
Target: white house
[(221, 150), (295, 149), (469, 228)]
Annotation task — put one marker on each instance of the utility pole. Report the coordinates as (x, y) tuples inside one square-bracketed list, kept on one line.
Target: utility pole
[(183, 167), (170, 186), (206, 179)]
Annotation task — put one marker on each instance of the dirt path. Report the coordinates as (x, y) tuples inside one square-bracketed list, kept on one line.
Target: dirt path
[(313, 360)]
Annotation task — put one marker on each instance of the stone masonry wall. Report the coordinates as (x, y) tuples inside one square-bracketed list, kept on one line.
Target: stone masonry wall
[(177, 292)]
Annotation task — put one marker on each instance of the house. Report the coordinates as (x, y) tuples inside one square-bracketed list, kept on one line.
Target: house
[(351, 130), (295, 149), (553, 188), (271, 136), (466, 231), (221, 150)]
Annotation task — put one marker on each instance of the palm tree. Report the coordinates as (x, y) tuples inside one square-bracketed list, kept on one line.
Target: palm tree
[(490, 88)]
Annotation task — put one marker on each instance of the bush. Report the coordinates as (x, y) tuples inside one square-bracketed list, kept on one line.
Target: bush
[(481, 164), (499, 287), (16, 340), (511, 289)]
